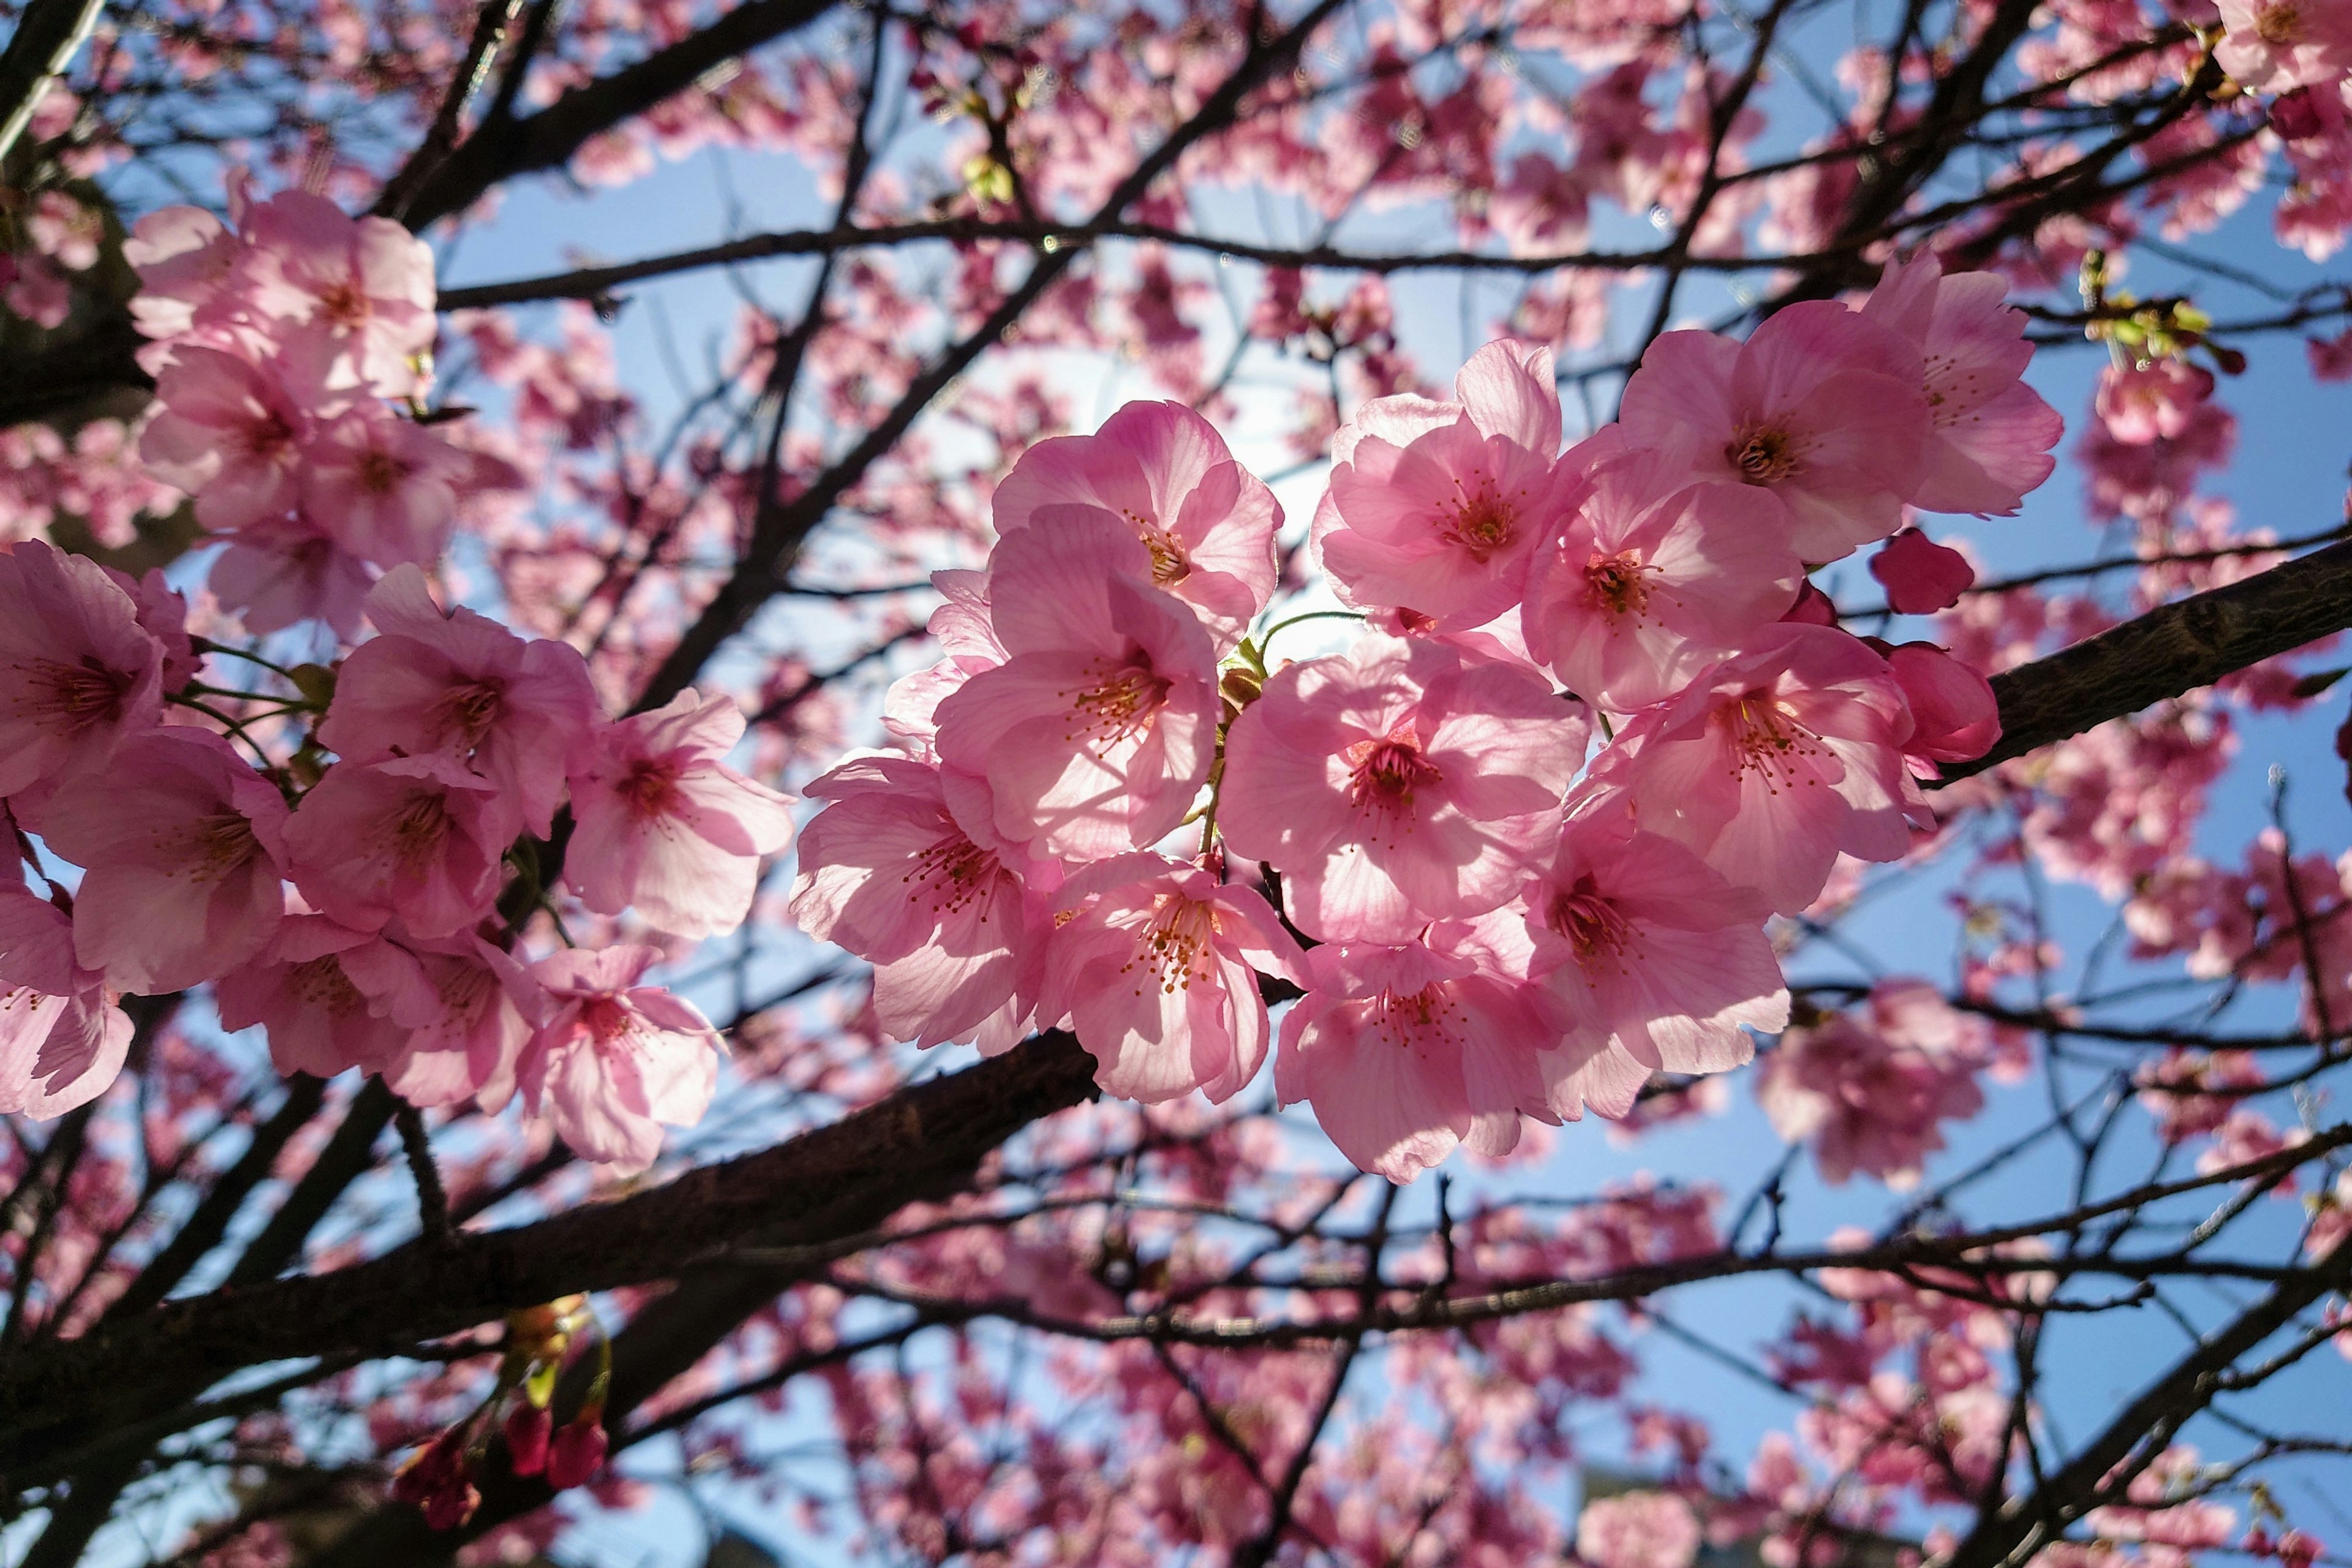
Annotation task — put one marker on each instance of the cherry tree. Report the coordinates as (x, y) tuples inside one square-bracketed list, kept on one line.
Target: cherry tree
[(1174, 833)]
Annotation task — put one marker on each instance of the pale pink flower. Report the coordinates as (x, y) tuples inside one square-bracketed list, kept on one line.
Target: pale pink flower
[(361, 291), (301, 991), (2271, 46), (456, 683), (1662, 964), (961, 627), (1155, 964), (184, 853), (229, 432), (1870, 1090), (1405, 1052), (77, 672), (419, 838), (1955, 717), (1990, 434), (383, 488), (283, 571), (185, 257), (463, 1002), (662, 824), (1163, 472), (1096, 734), (1654, 580), (1820, 407), (614, 1060), (1437, 507), (1397, 784), (62, 1038), (2141, 404), (1638, 1529), (1921, 576), (1774, 762)]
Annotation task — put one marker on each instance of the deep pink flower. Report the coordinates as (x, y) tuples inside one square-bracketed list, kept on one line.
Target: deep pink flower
[(162, 614), (1096, 734), (1405, 1052), (468, 1008), (2271, 46), (77, 672), (1870, 1090), (1990, 434), (576, 1452), (1921, 576), (1955, 717), (1775, 761), (1660, 961), (663, 825), (1163, 472), (383, 488), (951, 930), (1654, 580), (1155, 964), (456, 683), (184, 852), (1400, 783), (299, 989), (283, 571), (1821, 408), (62, 1038), (614, 1059), (230, 432), (360, 288), (1437, 507), (419, 838)]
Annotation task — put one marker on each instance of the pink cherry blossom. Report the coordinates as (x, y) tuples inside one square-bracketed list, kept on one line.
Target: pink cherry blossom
[(1654, 580), (283, 571), (452, 682), (952, 930), (185, 257), (1155, 964), (2271, 46), (1096, 734), (185, 856), (1399, 782), (419, 838), (1638, 1529), (77, 672), (468, 1008), (162, 614), (1870, 1090), (1662, 964), (303, 989), (663, 824), (1921, 576), (613, 1060), (1776, 761), (361, 291), (1437, 507), (1955, 717), (229, 432), (1990, 434), (1163, 471), (961, 627), (2159, 401), (1405, 1052), (1821, 408), (62, 1038), (382, 486)]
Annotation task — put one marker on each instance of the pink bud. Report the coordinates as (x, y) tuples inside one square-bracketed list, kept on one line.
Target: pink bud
[(576, 1453), (434, 1467), (1920, 575), (452, 1505), (527, 1428)]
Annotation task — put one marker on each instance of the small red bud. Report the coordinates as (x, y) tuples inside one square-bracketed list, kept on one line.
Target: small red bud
[(452, 1505), (527, 1431), (431, 1469), (576, 1453)]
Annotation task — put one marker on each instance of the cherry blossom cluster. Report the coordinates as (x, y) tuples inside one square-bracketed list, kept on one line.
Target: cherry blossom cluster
[(356, 878), (1485, 918)]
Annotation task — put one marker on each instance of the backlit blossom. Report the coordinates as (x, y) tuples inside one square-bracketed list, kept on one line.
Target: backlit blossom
[(1397, 784), (468, 1008), (1155, 964), (1163, 472), (1095, 735), (1870, 1090), (421, 839), (1406, 1051), (662, 824), (2271, 46), (1776, 761), (62, 1038), (184, 853), (281, 572), (77, 672), (1920, 576), (1955, 717), (456, 683), (1821, 408), (1654, 580), (887, 873), (613, 1060), (385, 488), (360, 290), (317, 1018), (1437, 507), (230, 432), (1990, 434)]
